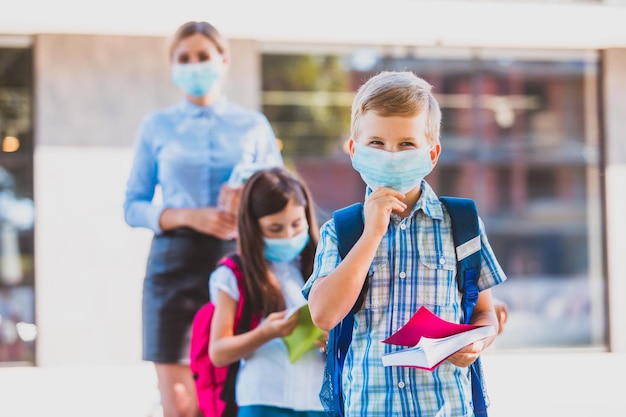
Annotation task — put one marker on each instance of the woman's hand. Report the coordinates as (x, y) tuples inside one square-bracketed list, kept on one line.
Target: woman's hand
[(207, 220), (321, 342), (502, 312), (228, 199), (214, 222)]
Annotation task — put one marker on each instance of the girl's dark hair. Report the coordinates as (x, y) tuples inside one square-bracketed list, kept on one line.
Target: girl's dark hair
[(267, 192), (204, 28)]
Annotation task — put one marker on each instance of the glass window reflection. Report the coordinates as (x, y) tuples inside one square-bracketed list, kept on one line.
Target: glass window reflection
[(17, 305), (518, 136)]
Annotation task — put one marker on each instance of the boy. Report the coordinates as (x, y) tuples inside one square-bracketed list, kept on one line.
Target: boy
[(408, 249)]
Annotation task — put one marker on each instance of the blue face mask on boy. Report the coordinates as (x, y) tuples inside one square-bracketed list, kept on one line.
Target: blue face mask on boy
[(286, 249), (198, 78), (401, 171)]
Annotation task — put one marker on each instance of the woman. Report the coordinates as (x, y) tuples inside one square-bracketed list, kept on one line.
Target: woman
[(189, 150), (278, 237)]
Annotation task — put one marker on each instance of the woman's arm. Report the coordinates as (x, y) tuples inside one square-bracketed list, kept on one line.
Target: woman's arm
[(208, 220)]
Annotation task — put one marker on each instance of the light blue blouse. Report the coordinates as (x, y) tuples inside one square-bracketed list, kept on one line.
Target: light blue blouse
[(189, 151)]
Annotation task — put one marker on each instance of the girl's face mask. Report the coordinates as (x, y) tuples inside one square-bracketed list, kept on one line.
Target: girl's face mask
[(401, 171), (197, 79), (286, 249)]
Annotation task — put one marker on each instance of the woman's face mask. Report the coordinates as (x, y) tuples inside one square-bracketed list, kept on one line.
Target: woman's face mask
[(197, 79), (401, 171)]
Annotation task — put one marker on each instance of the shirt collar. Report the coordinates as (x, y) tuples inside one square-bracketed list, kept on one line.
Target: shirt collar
[(188, 108), (428, 202)]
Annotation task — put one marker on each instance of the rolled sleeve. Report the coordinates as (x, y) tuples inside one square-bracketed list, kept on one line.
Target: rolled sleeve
[(139, 211), (149, 215), (491, 273), (327, 256)]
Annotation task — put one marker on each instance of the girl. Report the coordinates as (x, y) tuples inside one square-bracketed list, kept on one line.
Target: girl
[(278, 234), (189, 151)]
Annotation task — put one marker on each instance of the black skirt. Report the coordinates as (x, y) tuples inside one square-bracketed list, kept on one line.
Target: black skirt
[(175, 287)]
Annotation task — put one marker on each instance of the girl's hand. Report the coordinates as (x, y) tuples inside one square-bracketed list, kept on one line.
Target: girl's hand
[(378, 208), (466, 356), (276, 326)]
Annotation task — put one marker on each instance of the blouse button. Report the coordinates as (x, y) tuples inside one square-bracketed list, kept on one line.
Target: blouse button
[(403, 274), (403, 226), (442, 260), (401, 384)]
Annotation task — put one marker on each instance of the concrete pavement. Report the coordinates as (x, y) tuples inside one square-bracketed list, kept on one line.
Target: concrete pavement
[(538, 384)]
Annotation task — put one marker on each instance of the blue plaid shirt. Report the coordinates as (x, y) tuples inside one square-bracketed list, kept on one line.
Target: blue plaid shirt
[(190, 151), (414, 265)]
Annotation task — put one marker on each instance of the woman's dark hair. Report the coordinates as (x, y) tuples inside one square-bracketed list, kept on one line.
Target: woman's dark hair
[(204, 28), (268, 192)]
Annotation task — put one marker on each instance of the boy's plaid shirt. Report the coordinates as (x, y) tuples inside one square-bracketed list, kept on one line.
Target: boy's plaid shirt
[(414, 265)]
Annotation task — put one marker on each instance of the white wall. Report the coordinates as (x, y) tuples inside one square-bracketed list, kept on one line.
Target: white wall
[(89, 263), (507, 24), (614, 78)]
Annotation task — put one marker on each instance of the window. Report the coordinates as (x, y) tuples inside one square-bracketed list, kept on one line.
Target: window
[(17, 277), (519, 136)]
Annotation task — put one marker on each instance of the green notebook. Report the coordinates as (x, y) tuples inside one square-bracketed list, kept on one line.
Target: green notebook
[(303, 337)]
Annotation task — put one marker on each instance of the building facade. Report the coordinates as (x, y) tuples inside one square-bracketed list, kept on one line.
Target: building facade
[(533, 130)]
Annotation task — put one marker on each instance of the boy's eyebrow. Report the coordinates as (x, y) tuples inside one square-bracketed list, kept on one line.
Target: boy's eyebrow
[(402, 139)]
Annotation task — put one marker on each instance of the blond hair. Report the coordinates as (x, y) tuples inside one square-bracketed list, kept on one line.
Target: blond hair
[(204, 28), (397, 93)]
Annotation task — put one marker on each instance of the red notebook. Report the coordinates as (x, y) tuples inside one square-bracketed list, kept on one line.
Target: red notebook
[(431, 340)]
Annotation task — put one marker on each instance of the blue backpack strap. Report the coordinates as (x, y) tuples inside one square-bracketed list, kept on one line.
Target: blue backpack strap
[(244, 322), (349, 227), (466, 235)]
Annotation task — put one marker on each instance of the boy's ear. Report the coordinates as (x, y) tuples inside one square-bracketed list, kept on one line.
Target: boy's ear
[(435, 151), (351, 147)]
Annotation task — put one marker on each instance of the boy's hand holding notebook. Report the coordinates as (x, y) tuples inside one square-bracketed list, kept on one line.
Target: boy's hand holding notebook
[(431, 340)]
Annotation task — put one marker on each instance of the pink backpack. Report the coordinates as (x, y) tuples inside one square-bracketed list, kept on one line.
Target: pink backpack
[(215, 386)]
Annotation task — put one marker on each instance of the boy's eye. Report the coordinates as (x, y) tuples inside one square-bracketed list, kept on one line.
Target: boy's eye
[(408, 144), (203, 56)]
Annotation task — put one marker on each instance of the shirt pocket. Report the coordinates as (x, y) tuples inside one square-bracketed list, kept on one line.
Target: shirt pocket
[(436, 277), (377, 295)]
